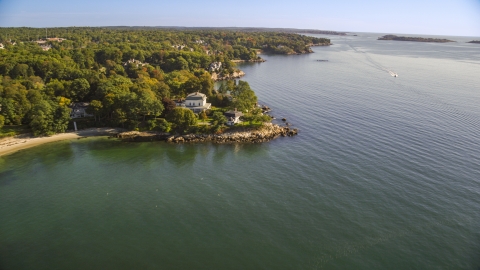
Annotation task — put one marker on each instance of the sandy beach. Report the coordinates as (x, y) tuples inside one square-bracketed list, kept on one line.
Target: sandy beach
[(14, 144)]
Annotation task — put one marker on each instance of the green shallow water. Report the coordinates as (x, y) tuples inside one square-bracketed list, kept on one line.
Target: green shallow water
[(384, 175)]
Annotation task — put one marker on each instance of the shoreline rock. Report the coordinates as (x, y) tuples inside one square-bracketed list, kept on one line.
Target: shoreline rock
[(320, 44), (261, 60), (220, 77), (265, 133)]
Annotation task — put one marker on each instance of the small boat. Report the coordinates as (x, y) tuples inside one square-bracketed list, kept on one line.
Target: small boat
[(393, 73)]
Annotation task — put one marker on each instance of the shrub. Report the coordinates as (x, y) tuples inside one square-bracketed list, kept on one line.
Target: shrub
[(2, 121)]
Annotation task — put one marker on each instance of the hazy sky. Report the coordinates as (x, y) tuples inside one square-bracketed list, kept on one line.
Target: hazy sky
[(436, 17)]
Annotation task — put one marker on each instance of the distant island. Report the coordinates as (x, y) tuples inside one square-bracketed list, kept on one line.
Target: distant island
[(416, 39), (474, 41)]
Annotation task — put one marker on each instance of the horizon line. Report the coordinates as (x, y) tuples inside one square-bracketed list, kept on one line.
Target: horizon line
[(228, 27)]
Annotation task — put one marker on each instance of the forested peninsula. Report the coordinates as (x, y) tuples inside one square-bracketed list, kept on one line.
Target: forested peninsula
[(416, 39), (474, 41), (131, 78)]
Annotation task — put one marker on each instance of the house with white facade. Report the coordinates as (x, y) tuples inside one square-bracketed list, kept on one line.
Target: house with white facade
[(1, 46), (233, 117), (197, 102)]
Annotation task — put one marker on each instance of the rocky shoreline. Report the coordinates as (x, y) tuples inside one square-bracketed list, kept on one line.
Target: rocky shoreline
[(220, 77), (266, 133), (261, 60), (320, 44)]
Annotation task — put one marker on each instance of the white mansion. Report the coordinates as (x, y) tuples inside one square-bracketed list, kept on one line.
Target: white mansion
[(197, 102)]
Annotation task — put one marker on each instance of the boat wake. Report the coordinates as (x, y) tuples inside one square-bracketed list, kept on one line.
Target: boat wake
[(374, 63), (392, 73)]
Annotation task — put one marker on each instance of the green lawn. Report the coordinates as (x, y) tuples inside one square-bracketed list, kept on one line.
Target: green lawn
[(207, 121), (249, 124), (9, 131)]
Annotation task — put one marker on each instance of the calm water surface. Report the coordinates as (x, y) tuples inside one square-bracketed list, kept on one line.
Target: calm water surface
[(385, 174)]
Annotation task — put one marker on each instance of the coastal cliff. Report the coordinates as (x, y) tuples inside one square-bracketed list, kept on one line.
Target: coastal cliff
[(265, 133)]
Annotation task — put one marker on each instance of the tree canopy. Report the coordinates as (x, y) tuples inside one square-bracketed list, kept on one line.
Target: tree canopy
[(244, 99), (128, 75), (182, 118)]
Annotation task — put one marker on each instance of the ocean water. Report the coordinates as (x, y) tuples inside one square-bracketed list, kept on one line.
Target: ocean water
[(385, 174)]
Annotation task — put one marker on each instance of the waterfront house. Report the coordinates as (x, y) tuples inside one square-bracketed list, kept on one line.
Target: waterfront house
[(197, 102), (79, 110), (215, 66), (233, 117)]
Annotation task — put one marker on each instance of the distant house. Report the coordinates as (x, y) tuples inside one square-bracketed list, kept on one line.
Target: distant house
[(43, 41), (56, 39), (197, 102), (179, 102), (178, 47), (137, 63), (1, 46), (233, 117), (45, 47), (215, 66), (79, 110)]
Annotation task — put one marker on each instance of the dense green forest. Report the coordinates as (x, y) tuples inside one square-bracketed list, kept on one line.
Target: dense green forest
[(129, 76)]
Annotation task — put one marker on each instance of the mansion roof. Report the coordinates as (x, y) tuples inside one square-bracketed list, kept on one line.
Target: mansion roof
[(196, 96)]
